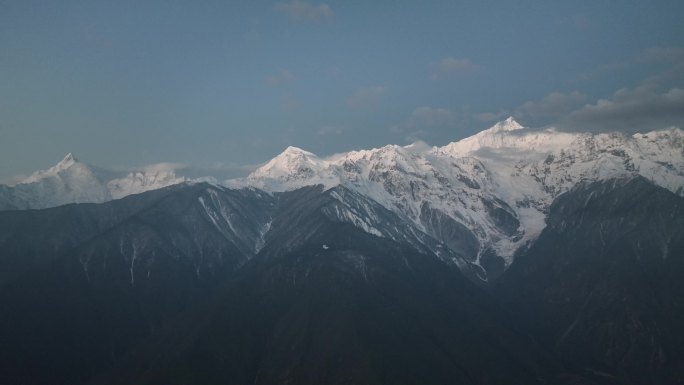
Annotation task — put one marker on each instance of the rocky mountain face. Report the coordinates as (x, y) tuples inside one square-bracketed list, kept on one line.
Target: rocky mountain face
[(602, 285), (202, 284), (85, 282), (486, 195)]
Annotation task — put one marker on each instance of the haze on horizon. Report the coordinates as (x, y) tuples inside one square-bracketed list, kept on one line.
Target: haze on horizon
[(221, 85)]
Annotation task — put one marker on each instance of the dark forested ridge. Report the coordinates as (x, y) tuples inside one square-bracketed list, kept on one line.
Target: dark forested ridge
[(206, 285), (602, 286)]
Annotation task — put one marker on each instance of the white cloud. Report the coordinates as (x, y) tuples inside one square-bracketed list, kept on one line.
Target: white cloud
[(430, 117), (279, 78), (646, 107), (220, 171), (488, 117), (13, 180), (418, 147), (422, 119), (451, 66), (662, 54), (656, 103), (302, 11), (553, 105), (163, 167), (366, 96), (415, 136), (658, 55), (641, 108)]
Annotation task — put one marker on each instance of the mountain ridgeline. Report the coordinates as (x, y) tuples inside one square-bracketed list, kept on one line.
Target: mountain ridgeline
[(514, 256)]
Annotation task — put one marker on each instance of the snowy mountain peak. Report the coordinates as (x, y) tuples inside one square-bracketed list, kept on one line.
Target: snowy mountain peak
[(65, 164), (503, 134), (292, 160), (501, 128), (497, 184), (291, 169), (292, 150), (72, 181), (69, 158), (68, 161), (486, 195), (510, 124)]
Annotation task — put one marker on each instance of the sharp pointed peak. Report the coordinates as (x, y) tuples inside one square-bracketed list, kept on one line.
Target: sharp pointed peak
[(69, 158), (510, 124), (292, 150), (68, 161), (291, 155)]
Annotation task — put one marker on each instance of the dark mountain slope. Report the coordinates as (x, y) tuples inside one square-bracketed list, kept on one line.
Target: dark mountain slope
[(325, 302), (86, 291), (602, 286), (30, 239)]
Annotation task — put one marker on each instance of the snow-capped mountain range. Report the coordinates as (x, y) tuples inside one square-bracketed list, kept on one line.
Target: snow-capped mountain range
[(498, 183), (486, 195), (375, 253), (72, 181)]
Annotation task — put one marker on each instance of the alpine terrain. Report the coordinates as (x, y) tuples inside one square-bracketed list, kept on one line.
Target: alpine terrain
[(514, 256), (72, 181)]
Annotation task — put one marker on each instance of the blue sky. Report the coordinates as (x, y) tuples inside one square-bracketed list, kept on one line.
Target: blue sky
[(224, 84)]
